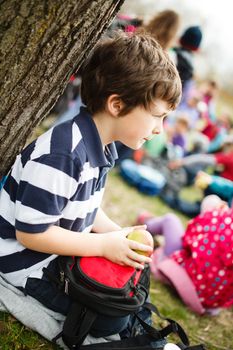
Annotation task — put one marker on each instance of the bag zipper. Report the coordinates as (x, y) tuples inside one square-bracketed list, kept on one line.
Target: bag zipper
[(129, 286), (67, 286)]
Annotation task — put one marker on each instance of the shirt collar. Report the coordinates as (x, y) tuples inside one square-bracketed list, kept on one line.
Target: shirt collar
[(91, 138)]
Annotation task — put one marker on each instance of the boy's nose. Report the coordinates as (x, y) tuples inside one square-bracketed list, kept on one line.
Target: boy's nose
[(158, 128)]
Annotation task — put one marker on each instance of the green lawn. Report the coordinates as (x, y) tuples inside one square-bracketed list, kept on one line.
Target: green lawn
[(122, 203)]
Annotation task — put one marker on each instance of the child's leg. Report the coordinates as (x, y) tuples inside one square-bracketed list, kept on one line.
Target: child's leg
[(107, 325), (170, 227), (48, 295)]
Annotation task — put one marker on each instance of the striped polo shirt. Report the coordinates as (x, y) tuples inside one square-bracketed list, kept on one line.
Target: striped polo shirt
[(57, 180)]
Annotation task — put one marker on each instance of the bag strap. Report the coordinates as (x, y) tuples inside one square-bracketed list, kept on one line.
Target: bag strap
[(139, 342), (154, 339), (80, 319), (192, 347), (173, 326), (77, 325)]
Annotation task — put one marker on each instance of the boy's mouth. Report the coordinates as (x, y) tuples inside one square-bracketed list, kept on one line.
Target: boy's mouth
[(149, 138)]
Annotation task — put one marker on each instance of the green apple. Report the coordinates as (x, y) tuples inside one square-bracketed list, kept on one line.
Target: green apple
[(144, 237)]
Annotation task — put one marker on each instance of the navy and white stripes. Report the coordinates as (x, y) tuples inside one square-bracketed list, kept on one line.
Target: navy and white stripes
[(57, 180)]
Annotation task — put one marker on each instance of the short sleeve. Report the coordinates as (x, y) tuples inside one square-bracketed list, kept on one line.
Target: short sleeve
[(46, 185)]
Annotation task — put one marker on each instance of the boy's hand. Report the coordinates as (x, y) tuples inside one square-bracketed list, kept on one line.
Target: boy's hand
[(117, 248)]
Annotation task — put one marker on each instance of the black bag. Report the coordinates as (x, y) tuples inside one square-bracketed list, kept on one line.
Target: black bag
[(99, 286), (108, 288)]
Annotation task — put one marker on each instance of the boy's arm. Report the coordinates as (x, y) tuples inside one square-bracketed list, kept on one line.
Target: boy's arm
[(103, 223), (60, 241), (112, 245)]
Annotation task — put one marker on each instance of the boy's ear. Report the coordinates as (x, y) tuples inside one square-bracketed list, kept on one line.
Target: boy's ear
[(114, 105)]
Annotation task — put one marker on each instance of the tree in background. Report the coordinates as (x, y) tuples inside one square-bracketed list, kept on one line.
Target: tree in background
[(42, 42)]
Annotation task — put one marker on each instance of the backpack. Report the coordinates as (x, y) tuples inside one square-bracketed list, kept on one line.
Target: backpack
[(99, 286), (147, 180), (175, 179)]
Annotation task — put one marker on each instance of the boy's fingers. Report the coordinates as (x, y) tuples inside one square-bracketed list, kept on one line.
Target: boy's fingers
[(140, 227), (134, 245), (139, 258), (134, 264), (127, 230)]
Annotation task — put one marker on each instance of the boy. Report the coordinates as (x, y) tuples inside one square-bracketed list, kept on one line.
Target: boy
[(50, 204)]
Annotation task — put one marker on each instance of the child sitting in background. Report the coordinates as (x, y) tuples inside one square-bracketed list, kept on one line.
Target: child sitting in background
[(164, 27), (209, 90), (190, 42), (213, 184), (178, 136), (223, 159), (197, 261)]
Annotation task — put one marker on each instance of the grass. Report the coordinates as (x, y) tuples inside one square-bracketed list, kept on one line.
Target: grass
[(15, 336), (122, 203)]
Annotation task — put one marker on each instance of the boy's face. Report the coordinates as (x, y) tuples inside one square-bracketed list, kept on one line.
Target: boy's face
[(140, 125)]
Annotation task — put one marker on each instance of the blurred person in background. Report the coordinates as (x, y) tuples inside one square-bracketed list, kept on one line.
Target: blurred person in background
[(223, 159), (222, 164), (164, 27), (213, 184), (190, 42), (197, 261)]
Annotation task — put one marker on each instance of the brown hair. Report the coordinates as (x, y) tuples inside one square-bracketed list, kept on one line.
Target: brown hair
[(164, 26), (133, 66)]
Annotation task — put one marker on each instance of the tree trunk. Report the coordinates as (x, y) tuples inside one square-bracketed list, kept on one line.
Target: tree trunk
[(42, 42)]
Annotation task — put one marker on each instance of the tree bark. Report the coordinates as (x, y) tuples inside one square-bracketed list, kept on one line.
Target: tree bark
[(42, 42)]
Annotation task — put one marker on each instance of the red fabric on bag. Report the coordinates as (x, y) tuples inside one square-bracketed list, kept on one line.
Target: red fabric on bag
[(107, 272)]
